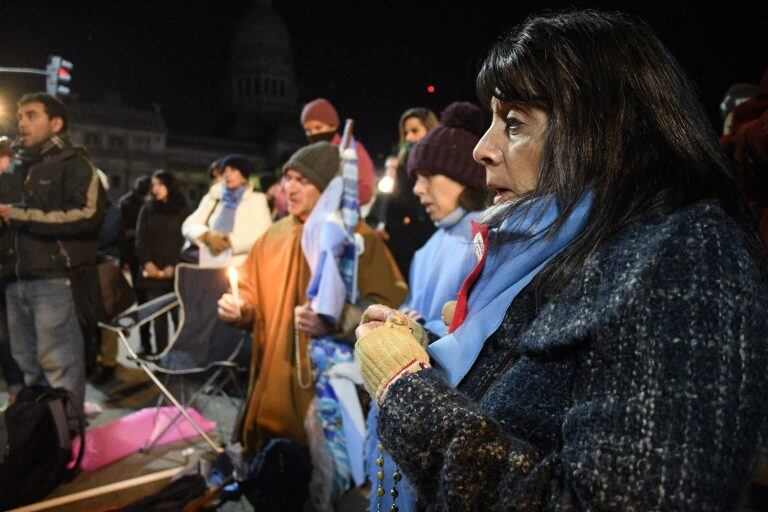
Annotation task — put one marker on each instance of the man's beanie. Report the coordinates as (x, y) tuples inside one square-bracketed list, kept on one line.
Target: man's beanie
[(447, 149), (239, 162), (318, 162), (320, 110)]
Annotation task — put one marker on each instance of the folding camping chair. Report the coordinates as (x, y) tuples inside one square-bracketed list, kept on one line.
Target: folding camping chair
[(201, 342)]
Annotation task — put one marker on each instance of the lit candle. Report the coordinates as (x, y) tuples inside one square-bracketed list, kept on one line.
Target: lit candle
[(232, 271)]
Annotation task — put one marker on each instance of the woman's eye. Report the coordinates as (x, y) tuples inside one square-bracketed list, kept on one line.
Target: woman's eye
[(513, 124)]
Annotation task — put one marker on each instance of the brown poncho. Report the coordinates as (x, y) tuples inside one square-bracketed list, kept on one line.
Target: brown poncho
[(273, 281)]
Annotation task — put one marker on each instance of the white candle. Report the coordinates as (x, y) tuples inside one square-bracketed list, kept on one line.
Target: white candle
[(232, 271)]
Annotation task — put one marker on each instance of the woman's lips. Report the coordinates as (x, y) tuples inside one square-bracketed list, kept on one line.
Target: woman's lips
[(501, 195)]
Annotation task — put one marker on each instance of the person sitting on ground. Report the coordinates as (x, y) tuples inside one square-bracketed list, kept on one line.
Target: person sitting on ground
[(231, 216)]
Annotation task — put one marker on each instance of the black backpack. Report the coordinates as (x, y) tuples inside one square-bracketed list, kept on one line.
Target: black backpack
[(36, 445), (278, 477)]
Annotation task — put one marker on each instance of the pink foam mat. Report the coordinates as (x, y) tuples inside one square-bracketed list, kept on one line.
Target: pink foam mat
[(129, 434)]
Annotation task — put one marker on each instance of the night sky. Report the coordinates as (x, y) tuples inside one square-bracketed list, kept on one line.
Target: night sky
[(371, 59)]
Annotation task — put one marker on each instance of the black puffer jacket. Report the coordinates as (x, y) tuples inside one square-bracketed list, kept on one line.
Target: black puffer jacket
[(63, 205)]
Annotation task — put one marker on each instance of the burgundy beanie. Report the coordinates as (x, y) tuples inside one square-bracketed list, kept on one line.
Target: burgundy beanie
[(447, 149), (320, 110)]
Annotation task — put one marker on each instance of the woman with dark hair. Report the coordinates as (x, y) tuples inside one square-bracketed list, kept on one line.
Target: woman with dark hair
[(608, 351), (406, 225), (158, 247)]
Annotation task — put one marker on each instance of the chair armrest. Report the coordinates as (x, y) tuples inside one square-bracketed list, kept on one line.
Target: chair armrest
[(141, 314)]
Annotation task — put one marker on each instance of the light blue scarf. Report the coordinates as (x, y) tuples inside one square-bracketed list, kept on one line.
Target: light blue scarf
[(225, 222), (509, 267)]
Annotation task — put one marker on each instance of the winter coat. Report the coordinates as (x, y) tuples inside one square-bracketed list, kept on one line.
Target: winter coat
[(252, 219), (159, 238), (64, 203), (640, 386)]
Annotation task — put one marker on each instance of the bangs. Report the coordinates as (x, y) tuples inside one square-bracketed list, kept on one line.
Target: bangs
[(508, 75)]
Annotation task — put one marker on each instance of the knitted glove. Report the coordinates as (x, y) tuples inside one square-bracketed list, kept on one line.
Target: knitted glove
[(385, 354), (405, 323), (216, 242)]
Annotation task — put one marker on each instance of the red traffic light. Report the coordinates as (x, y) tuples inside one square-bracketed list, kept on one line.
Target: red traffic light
[(64, 72), (430, 89)]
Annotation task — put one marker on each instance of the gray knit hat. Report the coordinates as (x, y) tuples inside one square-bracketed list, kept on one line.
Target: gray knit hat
[(318, 162)]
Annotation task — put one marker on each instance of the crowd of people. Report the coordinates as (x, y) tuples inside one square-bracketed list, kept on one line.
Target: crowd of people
[(563, 309)]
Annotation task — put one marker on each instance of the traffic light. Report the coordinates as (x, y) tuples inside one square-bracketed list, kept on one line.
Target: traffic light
[(59, 71)]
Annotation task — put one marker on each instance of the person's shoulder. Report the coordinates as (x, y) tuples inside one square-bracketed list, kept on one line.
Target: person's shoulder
[(286, 225), (254, 196), (214, 192), (367, 232), (208, 198), (78, 160), (701, 232), (693, 255)]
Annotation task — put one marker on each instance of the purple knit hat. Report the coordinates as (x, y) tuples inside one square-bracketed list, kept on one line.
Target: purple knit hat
[(447, 149)]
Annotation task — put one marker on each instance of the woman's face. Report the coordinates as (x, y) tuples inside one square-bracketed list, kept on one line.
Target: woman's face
[(511, 150), (439, 194), (159, 190), (233, 178), (413, 129)]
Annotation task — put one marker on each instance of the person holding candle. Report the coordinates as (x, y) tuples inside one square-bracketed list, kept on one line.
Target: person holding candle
[(608, 350), (273, 304)]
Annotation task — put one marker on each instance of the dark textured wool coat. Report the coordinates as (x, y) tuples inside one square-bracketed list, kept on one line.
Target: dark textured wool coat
[(641, 386)]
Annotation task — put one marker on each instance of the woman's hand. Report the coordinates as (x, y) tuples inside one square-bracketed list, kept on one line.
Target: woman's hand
[(386, 351), (229, 310), (378, 314), (150, 270), (216, 242), (373, 317)]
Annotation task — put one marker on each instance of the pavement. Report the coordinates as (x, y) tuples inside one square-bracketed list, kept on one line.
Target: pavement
[(131, 390)]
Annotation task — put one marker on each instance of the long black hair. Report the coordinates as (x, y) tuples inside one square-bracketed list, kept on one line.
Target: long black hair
[(623, 119), (176, 199)]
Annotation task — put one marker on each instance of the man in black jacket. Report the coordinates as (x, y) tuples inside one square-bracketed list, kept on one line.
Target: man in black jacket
[(56, 230)]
